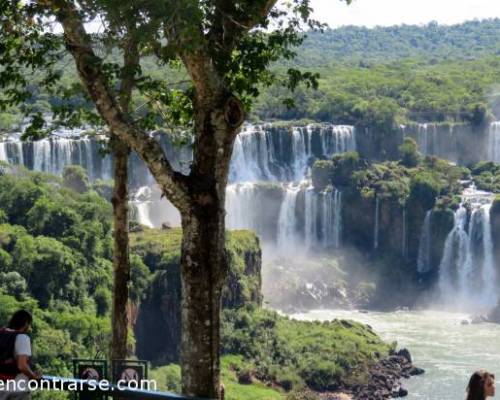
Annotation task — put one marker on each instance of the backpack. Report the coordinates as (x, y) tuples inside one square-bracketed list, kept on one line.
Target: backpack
[(8, 364)]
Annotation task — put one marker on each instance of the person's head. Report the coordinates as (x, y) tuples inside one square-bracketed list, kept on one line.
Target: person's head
[(481, 385), (20, 321)]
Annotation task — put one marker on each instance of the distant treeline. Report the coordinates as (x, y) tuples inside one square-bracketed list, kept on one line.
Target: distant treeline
[(468, 40), (374, 77)]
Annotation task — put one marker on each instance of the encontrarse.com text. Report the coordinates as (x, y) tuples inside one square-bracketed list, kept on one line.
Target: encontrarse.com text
[(75, 386)]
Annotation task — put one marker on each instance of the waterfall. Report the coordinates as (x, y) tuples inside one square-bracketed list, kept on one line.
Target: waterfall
[(244, 207), (494, 142), (268, 175), (337, 216), (423, 138), (3, 152), (428, 139), (287, 229), (301, 148), (310, 214), (265, 153), (489, 269), (376, 229), (152, 209), (251, 156), (424, 248), (142, 202), (467, 269)]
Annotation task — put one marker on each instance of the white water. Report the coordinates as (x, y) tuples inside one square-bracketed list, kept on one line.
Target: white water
[(3, 152), (311, 214), (465, 277), (426, 134), (424, 248), (244, 206), (261, 154), (337, 219), (287, 227), (152, 209), (447, 350), (494, 142)]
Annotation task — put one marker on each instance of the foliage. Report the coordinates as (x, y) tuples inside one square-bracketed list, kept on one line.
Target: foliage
[(75, 177), (364, 46), (297, 353), (486, 176), (409, 153), (159, 250), (386, 94)]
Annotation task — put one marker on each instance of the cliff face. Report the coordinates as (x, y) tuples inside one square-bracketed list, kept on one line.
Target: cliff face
[(158, 325), (449, 141)]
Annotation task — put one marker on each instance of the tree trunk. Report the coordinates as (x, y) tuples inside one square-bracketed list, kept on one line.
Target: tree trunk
[(204, 269), (121, 263)]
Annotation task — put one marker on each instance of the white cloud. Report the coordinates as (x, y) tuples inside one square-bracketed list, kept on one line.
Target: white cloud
[(395, 12)]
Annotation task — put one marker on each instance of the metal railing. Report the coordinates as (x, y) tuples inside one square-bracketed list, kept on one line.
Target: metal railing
[(111, 390)]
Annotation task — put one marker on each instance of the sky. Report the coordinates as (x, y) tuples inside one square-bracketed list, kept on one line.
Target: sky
[(395, 12)]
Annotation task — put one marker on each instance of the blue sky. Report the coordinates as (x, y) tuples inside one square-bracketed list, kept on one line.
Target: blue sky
[(394, 12)]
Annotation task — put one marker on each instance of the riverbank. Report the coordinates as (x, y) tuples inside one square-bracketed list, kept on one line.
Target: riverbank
[(447, 350)]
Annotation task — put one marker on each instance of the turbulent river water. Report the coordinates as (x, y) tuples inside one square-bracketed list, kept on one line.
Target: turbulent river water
[(447, 350)]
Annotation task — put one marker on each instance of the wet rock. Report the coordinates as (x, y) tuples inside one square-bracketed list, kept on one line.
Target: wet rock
[(385, 378), (406, 354), (414, 371)]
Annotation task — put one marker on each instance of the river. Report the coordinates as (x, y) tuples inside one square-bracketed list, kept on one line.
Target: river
[(448, 351)]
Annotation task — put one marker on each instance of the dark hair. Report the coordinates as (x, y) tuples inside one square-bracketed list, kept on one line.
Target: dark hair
[(20, 319), (475, 389)]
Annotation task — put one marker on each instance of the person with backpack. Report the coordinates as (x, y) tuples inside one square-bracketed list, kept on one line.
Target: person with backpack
[(15, 355)]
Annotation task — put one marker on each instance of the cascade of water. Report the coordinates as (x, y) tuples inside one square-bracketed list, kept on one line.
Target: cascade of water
[(41, 156), (327, 219), (142, 201), (455, 254), (494, 142), (337, 219), (3, 152), (89, 158), (376, 229), (287, 229), (467, 275), (20, 155), (424, 248), (422, 138), (489, 269), (152, 209), (310, 214), (243, 206), (261, 153), (300, 154), (428, 139)]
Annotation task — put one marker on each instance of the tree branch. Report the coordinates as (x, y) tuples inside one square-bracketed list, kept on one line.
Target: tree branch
[(78, 42), (233, 24)]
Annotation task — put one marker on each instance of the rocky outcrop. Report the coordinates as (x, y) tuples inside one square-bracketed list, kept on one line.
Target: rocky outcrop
[(158, 325), (385, 378)]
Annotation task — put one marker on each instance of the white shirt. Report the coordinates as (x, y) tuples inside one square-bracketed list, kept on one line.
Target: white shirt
[(22, 347)]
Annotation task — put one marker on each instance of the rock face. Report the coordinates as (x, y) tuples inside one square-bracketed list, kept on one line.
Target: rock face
[(385, 378), (449, 141), (158, 325)]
